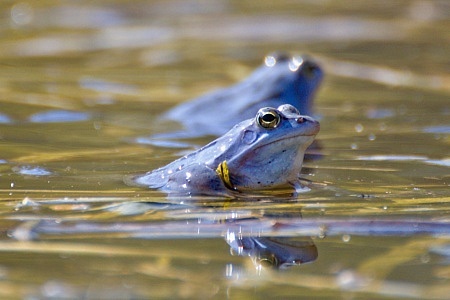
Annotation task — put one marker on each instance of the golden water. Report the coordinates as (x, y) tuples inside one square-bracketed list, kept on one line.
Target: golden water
[(384, 109)]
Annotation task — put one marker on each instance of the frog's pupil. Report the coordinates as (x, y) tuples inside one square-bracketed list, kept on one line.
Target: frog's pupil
[(268, 118)]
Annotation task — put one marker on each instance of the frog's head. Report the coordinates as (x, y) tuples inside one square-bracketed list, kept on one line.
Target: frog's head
[(292, 79), (267, 150)]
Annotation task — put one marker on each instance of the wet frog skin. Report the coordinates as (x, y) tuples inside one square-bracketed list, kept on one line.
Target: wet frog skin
[(259, 153), (281, 79)]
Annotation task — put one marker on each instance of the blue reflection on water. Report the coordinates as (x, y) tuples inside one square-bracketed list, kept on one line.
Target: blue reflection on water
[(437, 129), (56, 116), (5, 119), (439, 162), (31, 171)]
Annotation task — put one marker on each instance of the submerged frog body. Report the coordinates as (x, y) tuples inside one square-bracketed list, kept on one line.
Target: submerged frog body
[(259, 153), (280, 80)]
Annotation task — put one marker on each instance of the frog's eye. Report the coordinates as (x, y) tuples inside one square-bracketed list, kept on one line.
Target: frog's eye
[(268, 117), (268, 261)]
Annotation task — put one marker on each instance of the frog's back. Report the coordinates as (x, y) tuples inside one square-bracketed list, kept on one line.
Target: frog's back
[(271, 85), (195, 171)]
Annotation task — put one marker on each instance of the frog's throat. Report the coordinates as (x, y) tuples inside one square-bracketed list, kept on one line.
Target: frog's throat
[(224, 174)]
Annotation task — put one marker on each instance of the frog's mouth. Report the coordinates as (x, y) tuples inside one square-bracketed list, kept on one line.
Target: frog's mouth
[(289, 137), (224, 173), (311, 130)]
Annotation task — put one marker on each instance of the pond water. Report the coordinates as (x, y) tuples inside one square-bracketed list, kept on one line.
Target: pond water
[(81, 80)]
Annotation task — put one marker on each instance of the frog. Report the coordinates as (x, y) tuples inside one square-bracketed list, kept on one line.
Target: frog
[(281, 79), (260, 153)]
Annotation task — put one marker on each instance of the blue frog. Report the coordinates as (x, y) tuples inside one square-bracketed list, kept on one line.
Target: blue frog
[(263, 152), (281, 79)]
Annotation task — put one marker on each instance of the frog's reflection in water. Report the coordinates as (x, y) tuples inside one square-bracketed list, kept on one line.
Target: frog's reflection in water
[(273, 252), (276, 252)]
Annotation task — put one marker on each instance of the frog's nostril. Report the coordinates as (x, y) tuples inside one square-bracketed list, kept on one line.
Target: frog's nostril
[(309, 69)]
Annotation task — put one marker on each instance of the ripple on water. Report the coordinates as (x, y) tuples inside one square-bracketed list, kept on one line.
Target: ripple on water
[(443, 250), (56, 116), (104, 86), (380, 113), (437, 129), (392, 157), (31, 171), (5, 119), (445, 162), (439, 162)]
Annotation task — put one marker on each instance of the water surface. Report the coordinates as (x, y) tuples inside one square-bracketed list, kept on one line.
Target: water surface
[(80, 80)]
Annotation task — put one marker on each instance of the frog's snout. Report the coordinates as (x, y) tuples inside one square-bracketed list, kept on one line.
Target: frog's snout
[(303, 119), (310, 70), (311, 123)]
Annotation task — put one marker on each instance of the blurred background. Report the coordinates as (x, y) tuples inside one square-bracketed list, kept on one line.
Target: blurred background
[(80, 79)]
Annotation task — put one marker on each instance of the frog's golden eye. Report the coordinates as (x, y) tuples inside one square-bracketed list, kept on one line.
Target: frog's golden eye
[(268, 117), (267, 261)]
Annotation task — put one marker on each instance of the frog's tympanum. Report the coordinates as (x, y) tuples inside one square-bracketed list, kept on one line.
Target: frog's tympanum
[(282, 79), (259, 153)]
